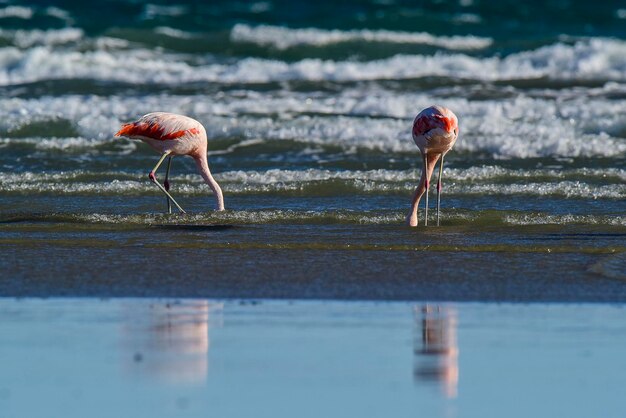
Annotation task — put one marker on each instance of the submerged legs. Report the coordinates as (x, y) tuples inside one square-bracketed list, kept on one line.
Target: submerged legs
[(153, 179)]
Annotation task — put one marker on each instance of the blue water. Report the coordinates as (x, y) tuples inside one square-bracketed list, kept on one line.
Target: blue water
[(308, 110), (161, 358)]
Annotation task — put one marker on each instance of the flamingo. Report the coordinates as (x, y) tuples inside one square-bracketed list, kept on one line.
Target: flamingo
[(170, 135), (435, 130)]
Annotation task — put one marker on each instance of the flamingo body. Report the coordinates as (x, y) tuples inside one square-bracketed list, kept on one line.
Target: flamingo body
[(435, 130), (170, 134), (178, 134)]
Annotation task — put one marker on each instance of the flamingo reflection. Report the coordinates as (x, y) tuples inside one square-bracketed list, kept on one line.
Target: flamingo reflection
[(436, 349), (170, 341)]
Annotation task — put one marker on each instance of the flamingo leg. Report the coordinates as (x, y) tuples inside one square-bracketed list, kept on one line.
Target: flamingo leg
[(439, 187), (426, 184), (153, 179), (166, 183), (411, 218)]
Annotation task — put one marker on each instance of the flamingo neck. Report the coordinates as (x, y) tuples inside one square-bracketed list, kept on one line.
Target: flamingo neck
[(427, 173), (203, 168)]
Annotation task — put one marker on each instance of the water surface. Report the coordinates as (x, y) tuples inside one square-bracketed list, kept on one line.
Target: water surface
[(158, 358), (308, 110)]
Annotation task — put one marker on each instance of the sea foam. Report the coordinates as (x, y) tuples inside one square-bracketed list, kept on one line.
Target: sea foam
[(597, 59), (283, 38), (20, 12), (28, 38), (513, 128), (315, 182)]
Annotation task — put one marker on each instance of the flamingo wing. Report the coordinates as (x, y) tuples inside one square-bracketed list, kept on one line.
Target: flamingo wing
[(160, 126)]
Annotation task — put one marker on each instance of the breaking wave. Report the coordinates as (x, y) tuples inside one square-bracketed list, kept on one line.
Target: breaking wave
[(494, 181), (372, 120), (594, 59), (283, 38)]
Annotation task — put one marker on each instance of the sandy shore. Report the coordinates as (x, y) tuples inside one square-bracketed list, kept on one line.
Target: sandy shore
[(236, 263)]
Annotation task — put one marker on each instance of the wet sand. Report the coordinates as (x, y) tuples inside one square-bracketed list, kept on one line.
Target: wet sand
[(464, 262)]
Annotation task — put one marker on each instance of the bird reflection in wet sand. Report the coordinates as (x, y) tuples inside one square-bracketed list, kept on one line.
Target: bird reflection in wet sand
[(435, 348), (170, 341)]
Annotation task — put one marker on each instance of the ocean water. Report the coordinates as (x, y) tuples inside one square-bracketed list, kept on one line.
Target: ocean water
[(308, 108)]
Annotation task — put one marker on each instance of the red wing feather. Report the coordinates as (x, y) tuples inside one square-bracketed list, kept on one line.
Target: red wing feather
[(154, 131)]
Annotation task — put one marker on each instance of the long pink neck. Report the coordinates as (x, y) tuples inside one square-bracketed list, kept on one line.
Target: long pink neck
[(203, 168)]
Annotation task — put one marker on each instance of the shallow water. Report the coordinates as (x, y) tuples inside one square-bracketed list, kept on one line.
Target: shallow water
[(157, 358), (308, 109)]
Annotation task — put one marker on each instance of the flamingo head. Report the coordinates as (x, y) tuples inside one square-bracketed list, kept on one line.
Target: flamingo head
[(435, 117)]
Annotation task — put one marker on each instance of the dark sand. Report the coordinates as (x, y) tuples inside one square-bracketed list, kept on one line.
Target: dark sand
[(314, 262)]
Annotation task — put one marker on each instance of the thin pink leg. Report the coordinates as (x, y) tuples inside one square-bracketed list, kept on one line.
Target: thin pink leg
[(166, 184), (153, 179), (427, 184), (439, 187)]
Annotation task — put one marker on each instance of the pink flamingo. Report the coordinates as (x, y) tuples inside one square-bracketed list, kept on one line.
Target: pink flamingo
[(435, 130), (170, 135)]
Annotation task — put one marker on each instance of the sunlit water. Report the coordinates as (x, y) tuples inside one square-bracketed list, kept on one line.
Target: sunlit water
[(193, 358), (316, 100), (308, 108)]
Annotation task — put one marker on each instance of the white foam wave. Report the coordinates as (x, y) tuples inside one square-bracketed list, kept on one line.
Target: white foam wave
[(283, 38), (28, 38), (566, 189), (77, 144), (244, 217), (471, 175), (546, 219), (612, 265), (314, 181), (59, 14), (514, 128), (20, 12), (173, 33), (601, 59), (477, 175), (152, 11)]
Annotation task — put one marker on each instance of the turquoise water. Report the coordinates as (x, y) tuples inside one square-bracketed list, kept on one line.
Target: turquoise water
[(162, 358), (308, 109)]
